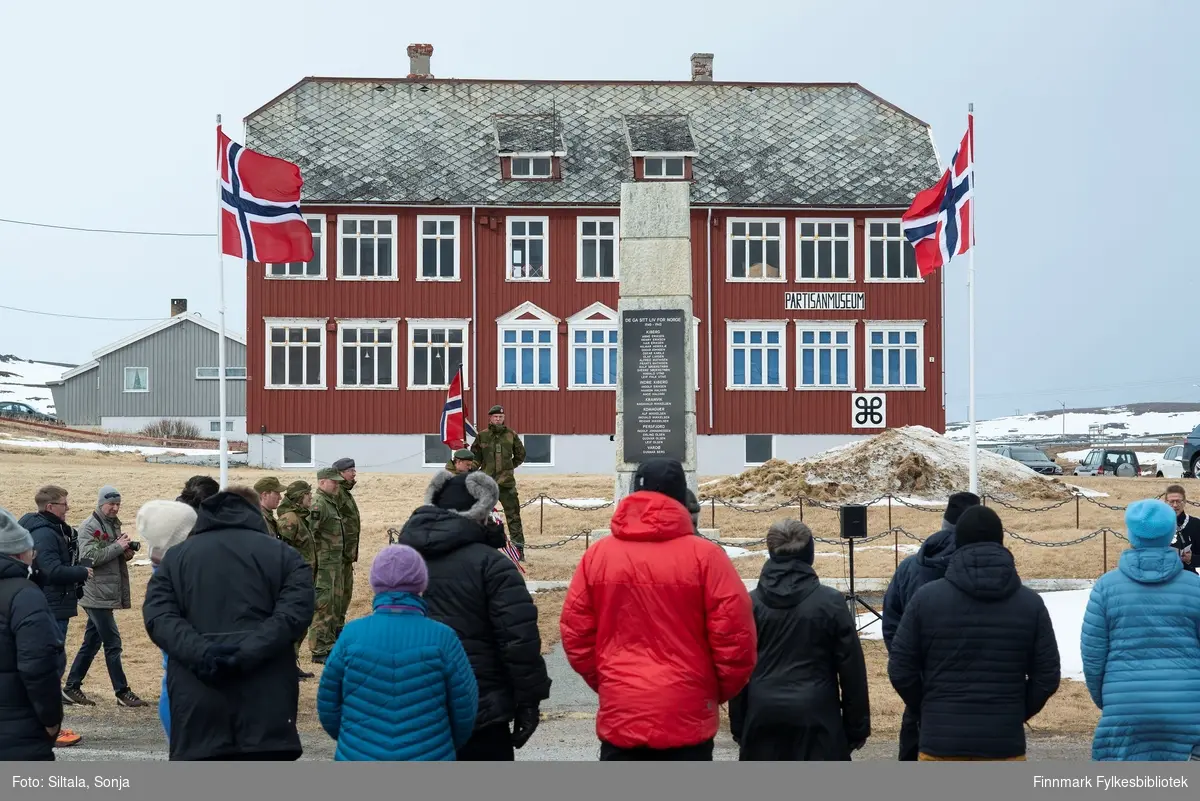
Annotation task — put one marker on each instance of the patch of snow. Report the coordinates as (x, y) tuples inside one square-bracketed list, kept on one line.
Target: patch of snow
[(904, 548), (1118, 420), (735, 552), (24, 381), (98, 446), (1087, 493), (582, 502)]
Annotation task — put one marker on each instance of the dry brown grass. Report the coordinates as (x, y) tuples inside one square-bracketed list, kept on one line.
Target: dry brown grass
[(387, 500)]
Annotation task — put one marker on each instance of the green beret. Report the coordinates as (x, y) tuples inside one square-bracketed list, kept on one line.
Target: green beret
[(497, 409), (298, 489), (327, 472), (268, 484), (463, 453)]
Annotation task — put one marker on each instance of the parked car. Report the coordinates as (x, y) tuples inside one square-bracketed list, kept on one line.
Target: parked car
[(1191, 453), (1030, 457), (23, 411), (1170, 464), (1109, 462)]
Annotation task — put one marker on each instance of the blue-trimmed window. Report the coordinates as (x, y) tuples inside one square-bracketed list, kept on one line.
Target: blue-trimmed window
[(527, 357), (594, 357), (756, 355), (826, 357), (895, 356)]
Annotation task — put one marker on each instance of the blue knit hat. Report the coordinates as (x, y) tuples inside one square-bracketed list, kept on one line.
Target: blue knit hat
[(1150, 523)]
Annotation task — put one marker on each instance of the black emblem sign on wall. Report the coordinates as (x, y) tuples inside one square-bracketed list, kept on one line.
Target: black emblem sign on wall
[(653, 384)]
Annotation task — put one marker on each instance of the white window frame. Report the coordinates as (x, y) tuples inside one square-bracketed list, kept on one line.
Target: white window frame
[(664, 158), (422, 236), (874, 326), (849, 326), (731, 326), (847, 221), (783, 274), (540, 465), (312, 450), (214, 426), (356, 324), (432, 464), (461, 324), (319, 251), (867, 253), (513, 158), (125, 386), (216, 374), (580, 322), (508, 248), (745, 444), (696, 349), (394, 236), (579, 238), (511, 322), (296, 322)]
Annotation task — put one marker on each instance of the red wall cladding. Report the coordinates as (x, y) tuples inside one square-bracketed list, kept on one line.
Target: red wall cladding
[(568, 411)]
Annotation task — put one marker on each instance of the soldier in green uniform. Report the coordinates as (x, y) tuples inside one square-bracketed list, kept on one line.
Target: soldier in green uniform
[(293, 529), (499, 452), (325, 523), (461, 461), (270, 493), (351, 525)]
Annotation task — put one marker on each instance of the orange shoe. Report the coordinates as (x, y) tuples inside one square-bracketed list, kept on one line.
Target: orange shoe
[(66, 739)]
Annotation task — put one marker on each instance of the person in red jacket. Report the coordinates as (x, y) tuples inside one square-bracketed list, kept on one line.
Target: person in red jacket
[(658, 623)]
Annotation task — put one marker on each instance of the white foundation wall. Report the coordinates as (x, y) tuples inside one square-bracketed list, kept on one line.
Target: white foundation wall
[(578, 454), (133, 425)]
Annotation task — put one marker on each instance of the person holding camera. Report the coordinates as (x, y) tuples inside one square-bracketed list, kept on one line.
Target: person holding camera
[(108, 549)]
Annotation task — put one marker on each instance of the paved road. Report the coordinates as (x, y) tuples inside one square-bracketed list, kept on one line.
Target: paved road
[(567, 734)]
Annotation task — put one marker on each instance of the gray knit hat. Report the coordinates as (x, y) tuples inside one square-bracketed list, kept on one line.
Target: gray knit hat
[(13, 538), (108, 494)]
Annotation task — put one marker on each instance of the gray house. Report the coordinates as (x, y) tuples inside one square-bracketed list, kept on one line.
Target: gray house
[(168, 371)]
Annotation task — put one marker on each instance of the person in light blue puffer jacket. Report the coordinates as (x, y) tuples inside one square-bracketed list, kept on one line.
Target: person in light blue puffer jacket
[(397, 686), (1141, 647)]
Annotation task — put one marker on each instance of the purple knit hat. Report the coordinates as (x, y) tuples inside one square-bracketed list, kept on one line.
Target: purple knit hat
[(399, 568)]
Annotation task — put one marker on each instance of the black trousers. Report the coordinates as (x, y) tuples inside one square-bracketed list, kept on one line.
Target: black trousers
[(701, 752), (910, 735), (489, 744), (101, 630)]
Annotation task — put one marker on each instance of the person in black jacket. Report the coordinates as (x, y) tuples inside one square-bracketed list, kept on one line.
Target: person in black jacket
[(928, 564), (479, 592), (57, 546), (226, 606), (807, 699), (1187, 528), (976, 653), (32, 659)]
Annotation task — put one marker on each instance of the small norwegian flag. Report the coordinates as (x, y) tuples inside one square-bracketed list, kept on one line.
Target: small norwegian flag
[(455, 427), (509, 549)]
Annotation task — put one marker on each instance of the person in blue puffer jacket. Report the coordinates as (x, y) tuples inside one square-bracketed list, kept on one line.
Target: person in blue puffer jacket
[(397, 686), (1141, 647)]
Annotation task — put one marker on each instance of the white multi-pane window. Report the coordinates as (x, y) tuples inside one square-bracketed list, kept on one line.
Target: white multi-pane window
[(593, 349), (825, 355), (310, 270), (895, 355), (598, 248), (367, 354), (754, 250), (527, 247), (889, 255), (528, 349), (757, 352), (295, 354), (825, 250), (526, 167), (437, 248), (660, 167), (436, 349), (367, 248)]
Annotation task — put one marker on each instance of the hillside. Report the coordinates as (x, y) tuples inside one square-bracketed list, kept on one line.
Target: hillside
[(1137, 420), (24, 381)]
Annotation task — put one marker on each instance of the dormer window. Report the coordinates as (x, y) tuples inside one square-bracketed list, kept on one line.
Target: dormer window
[(661, 145), (532, 167), (665, 167), (530, 146)]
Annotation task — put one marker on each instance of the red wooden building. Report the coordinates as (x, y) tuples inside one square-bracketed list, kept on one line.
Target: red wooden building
[(476, 222)]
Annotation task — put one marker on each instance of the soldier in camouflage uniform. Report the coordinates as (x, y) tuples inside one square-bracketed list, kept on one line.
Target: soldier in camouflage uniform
[(499, 452), (351, 525), (325, 523), (270, 493), (461, 461), (293, 529)]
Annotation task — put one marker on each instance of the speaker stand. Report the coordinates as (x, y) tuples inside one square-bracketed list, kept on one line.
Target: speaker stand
[(852, 598)]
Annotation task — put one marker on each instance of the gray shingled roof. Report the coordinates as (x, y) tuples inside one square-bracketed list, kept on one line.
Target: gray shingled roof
[(528, 133), (436, 141), (659, 133)]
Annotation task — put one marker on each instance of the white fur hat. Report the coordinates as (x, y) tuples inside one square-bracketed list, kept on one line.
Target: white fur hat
[(163, 524)]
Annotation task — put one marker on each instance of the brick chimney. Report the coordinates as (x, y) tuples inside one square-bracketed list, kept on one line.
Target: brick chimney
[(418, 60), (702, 67), (178, 306)]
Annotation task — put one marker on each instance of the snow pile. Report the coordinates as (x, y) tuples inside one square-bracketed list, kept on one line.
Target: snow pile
[(914, 462), (24, 381)]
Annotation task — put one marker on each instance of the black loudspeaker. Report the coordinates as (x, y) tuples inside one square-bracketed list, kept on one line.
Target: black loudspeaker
[(854, 522)]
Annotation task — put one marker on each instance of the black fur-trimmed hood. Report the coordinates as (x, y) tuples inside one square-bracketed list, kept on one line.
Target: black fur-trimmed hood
[(481, 487)]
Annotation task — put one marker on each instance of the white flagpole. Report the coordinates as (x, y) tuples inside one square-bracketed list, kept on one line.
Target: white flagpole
[(224, 446), (971, 303)]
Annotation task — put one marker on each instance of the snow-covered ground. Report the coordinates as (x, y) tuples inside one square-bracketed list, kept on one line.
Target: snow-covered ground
[(1120, 421), (25, 382), (1066, 613), (97, 446)]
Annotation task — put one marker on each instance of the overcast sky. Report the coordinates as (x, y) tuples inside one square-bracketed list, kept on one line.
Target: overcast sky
[(1086, 116)]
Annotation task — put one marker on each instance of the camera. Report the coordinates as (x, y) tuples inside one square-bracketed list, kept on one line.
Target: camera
[(134, 546)]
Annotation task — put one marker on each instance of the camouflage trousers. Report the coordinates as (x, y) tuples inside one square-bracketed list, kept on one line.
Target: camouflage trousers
[(323, 633), (512, 514), (304, 636), (345, 593)]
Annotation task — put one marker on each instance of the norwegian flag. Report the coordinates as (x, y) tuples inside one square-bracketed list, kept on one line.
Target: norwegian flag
[(455, 427), (260, 206), (510, 550), (938, 223)]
